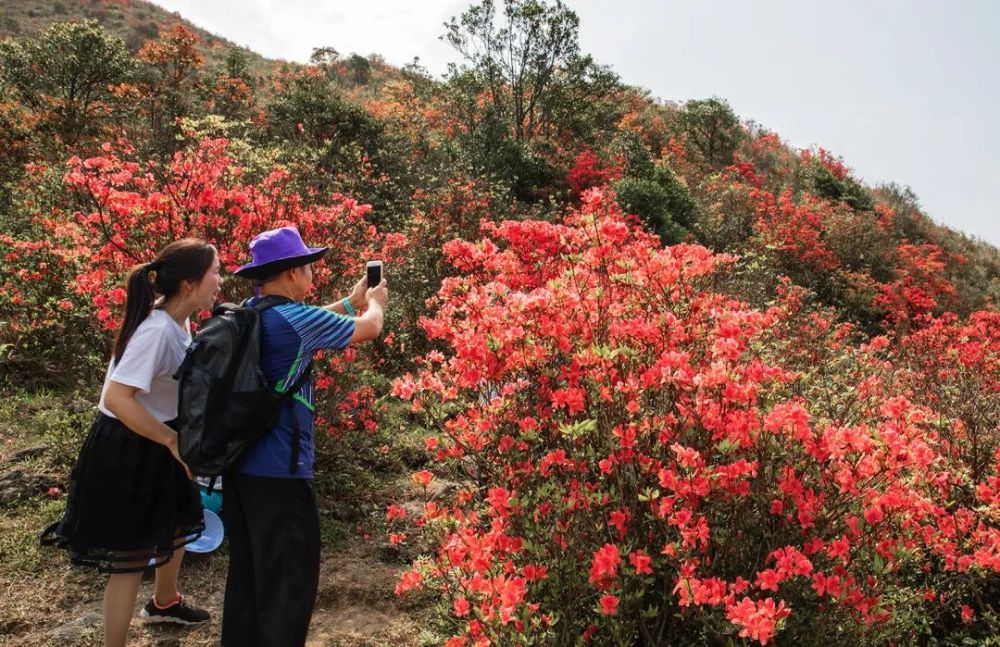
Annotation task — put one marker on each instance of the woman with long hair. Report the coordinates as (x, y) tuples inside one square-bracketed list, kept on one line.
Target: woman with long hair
[(132, 503)]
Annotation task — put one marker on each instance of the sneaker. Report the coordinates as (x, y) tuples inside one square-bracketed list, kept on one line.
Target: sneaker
[(179, 611)]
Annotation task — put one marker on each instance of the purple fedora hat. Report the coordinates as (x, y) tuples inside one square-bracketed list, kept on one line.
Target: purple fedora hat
[(277, 250)]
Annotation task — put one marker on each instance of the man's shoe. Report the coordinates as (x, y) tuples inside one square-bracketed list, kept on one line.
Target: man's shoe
[(179, 612)]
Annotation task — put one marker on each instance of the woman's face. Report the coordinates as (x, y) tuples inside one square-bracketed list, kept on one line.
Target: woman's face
[(207, 290)]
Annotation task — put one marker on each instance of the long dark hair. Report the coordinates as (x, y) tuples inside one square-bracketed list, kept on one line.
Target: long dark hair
[(187, 259)]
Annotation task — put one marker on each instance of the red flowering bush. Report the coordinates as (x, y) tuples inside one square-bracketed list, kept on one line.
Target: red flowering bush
[(645, 460), (437, 216), (953, 367), (36, 311), (46, 330), (588, 171), (854, 256), (922, 286), (129, 208)]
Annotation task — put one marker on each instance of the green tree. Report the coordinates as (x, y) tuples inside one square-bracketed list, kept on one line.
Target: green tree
[(230, 92), (338, 145), (516, 60), (523, 57), (359, 68), (169, 84), (848, 190), (66, 77), (712, 129), (583, 102), (529, 64), (326, 59), (308, 107), (323, 56), (237, 66)]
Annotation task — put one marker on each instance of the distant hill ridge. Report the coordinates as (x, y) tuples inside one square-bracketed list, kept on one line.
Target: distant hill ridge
[(134, 21)]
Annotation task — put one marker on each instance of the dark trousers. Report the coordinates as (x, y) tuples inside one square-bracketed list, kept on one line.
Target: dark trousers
[(273, 530)]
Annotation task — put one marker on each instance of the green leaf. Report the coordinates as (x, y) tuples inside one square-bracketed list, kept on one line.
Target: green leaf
[(726, 446), (649, 494), (577, 429)]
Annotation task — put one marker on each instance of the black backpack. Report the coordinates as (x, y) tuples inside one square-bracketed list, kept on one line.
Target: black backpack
[(226, 404)]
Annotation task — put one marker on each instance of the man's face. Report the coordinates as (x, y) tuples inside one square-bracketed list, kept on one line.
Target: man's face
[(303, 280)]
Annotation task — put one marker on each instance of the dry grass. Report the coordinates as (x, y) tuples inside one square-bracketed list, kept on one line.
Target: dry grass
[(61, 605)]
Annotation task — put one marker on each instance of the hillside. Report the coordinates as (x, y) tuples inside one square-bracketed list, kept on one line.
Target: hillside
[(647, 370), (136, 22)]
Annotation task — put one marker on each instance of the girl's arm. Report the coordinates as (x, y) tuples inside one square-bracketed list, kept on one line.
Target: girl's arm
[(120, 400)]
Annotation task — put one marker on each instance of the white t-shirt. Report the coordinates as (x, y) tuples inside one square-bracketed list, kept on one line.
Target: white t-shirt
[(149, 362)]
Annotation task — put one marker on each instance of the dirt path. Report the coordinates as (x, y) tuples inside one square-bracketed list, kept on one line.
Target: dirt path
[(355, 606)]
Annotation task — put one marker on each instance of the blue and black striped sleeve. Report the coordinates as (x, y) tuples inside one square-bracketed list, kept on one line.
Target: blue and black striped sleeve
[(319, 328)]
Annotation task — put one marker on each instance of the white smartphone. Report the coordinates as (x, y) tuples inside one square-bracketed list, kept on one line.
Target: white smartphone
[(373, 271)]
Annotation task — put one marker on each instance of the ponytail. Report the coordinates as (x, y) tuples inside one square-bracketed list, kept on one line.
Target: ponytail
[(138, 304), (187, 259)]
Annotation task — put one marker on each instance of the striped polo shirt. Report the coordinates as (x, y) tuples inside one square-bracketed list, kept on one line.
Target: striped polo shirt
[(290, 334)]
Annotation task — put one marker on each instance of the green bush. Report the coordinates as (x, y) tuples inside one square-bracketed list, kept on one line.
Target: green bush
[(661, 202), (848, 190)]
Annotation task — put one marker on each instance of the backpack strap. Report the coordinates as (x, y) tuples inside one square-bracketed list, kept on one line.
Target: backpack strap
[(269, 301), (288, 396), (293, 464)]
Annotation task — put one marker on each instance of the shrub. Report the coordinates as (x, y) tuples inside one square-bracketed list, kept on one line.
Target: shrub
[(661, 201), (588, 171), (646, 460)]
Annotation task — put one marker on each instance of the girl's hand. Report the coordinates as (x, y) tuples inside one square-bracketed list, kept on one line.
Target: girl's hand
[(120, 399), (176, 453)]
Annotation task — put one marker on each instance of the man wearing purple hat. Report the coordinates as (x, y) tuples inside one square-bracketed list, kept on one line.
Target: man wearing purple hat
[(269, 502)]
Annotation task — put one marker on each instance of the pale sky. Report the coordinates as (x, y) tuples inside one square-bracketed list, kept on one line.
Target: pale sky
[(904, 90)]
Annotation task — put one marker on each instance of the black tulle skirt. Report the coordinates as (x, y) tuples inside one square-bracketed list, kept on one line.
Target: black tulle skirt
[(130, 504)]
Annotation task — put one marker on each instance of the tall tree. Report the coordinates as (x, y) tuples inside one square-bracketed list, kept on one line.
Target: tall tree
[(515, 58), (170, 83), (359, 68), (522, 86), (713, 129), (67, 77)]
